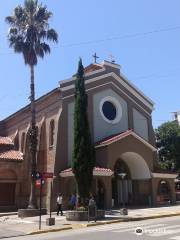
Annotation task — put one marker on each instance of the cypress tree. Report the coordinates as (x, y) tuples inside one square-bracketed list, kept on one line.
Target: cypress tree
[(83, 152)]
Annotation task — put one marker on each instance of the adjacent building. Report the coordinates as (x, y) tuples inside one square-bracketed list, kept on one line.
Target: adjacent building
[(176, 116)]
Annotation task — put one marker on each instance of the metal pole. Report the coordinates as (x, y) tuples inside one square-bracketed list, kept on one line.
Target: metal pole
[(40, 205), (123, 192), (51, 201)]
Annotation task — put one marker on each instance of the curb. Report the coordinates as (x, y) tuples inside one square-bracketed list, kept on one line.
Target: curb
[(78, 226), (49, 230), (8, 214)]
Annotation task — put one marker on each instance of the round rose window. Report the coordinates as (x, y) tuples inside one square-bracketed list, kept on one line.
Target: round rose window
[(109, 110)]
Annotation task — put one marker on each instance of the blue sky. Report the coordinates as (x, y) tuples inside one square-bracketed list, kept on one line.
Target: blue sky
[(143, 36)]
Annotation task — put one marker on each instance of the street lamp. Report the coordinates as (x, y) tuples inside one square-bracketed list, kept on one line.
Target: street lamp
[(123, 211)]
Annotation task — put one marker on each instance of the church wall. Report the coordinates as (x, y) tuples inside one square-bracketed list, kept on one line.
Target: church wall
[(132, 101), (102, 128), (140, 124)]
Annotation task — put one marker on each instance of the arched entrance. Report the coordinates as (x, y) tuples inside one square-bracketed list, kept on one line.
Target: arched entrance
[(100, 194), (121, 184), (8, 180)]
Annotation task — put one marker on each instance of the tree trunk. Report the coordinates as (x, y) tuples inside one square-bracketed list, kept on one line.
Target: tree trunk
[(33, 144)]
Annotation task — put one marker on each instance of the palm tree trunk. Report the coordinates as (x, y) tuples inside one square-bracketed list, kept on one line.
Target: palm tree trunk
[(33, 143)]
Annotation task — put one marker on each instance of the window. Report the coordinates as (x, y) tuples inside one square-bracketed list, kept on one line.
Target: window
[(22, 142), (51, 133), (16, 142), (110, 109)]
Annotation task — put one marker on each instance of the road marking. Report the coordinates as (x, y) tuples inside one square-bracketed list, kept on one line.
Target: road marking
[(144, 227), (165, 231), (175, 238)]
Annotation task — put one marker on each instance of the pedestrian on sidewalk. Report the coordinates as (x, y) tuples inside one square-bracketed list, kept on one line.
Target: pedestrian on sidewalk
[(73, 201), (59, 204)]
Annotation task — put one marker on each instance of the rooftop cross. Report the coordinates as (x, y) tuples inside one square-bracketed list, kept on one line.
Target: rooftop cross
[(95, 57), (111, 58)]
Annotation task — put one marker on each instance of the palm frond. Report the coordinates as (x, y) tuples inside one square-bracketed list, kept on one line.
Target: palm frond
[(45, 47), (30, 5), (13, 31), (42, 34), (42, 14), (10, 20), (39, 50), (18, 12), (52, 35)]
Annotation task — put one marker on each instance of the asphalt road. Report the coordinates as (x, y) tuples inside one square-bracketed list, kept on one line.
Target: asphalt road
[(163, 228)]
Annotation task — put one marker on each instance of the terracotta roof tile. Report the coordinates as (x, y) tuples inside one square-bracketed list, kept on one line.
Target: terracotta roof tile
[(113, 138), (92, 67), (6, 141), (11, 155), (99, 169)]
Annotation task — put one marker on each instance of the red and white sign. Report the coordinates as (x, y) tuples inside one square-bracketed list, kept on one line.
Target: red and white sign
[(47, 175), (38, 183)]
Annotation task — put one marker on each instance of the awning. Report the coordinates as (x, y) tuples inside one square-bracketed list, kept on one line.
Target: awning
[(104, 172)]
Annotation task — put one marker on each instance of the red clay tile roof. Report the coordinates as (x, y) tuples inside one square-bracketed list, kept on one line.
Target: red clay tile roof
[(92, 68), (11, 155), (6, 141), (113, 138), (99, 169)]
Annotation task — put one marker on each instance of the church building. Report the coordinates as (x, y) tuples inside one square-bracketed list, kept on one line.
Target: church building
[(120, 119)]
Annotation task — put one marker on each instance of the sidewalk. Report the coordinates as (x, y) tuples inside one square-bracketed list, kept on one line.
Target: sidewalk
[(11, 225)]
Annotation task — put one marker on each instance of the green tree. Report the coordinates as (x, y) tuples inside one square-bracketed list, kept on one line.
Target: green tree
[(83, 152), (168, 144), (28, 35)]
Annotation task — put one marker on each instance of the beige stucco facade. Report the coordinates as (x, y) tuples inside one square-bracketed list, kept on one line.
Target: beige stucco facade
[(54, 114)]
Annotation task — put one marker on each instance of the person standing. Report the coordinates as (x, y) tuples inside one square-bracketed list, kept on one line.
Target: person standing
[(59, 204), (73, 201)]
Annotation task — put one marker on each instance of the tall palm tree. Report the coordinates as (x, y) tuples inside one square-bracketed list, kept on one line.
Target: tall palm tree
[(29, 31)]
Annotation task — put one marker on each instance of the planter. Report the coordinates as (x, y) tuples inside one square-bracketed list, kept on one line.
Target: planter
[(22, 213), (83, 215), (50, 221), (124, 211)]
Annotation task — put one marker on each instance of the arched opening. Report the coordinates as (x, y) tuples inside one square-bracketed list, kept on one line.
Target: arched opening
[(23, 136), (100, 194), (16, 141), (135, 188), (121, 184), (51, 133), (8, 180)]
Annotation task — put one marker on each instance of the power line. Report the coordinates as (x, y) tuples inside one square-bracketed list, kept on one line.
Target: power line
[(126, 36), (123, 36)]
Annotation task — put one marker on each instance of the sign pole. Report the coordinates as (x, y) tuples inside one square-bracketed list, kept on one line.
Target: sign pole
[(40, 205), (51, 200)]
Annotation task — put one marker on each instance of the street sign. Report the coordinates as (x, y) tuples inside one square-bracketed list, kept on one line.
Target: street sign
[(48, 175), (38, 183)]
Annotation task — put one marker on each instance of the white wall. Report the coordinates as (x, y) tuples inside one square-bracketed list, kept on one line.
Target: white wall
[(140, 124)]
